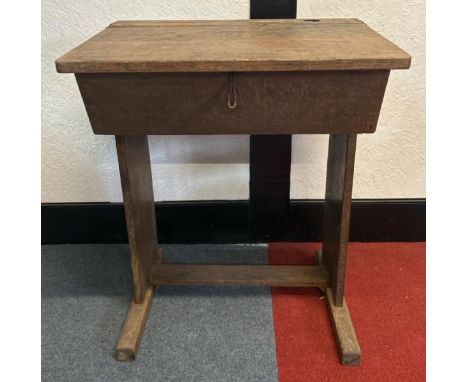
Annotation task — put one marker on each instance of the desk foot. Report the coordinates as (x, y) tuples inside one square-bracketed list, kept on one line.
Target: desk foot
[(348, 346), (134, 327)]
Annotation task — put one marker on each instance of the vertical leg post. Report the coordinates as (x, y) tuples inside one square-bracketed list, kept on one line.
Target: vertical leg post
[(137, 189), (339, 185)]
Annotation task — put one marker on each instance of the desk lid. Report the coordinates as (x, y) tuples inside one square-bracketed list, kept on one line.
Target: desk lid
[(234, 45)]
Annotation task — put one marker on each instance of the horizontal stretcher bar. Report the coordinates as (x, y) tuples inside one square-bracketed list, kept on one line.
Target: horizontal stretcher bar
[(258, 275)]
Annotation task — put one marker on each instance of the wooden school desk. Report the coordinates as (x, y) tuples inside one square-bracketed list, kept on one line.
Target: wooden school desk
[(256, 77)]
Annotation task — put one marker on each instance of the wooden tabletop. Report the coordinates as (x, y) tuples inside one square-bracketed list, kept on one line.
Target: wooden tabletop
[(234, 45)]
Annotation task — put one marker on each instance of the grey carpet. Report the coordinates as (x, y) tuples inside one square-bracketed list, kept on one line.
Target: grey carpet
[(193, 333)]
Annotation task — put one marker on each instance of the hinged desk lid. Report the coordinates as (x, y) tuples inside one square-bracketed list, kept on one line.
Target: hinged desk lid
[(229, 46)]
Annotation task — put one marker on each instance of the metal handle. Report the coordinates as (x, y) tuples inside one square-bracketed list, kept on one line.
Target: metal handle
[(232, 98)]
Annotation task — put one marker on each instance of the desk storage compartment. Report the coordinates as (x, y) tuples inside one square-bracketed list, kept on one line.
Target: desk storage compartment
[(234, 103)]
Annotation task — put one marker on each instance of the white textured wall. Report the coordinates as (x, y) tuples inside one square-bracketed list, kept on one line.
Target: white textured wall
[(78, 166)]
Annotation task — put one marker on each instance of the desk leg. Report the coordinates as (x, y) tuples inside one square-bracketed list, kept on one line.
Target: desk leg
[(340, 168), (137, 189)]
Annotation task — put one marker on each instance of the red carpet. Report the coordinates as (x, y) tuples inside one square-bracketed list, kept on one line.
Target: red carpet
[(385, 292)]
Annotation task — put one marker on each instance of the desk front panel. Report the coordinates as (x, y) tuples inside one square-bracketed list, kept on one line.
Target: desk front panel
[(315, 102)]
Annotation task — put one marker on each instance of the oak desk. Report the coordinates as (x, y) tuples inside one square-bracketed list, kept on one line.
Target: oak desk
[(258, 77)]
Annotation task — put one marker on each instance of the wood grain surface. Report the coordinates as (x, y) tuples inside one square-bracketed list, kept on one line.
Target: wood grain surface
[(347, 342), (134, 327), (337, 211), (260, 275), (137, 189), (231, 46), (267, 103)]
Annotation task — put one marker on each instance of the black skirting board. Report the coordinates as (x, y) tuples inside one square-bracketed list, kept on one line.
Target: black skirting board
[(227, 222)]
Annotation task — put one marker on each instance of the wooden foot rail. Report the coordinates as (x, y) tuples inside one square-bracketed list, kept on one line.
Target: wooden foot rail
[(257, 275)]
